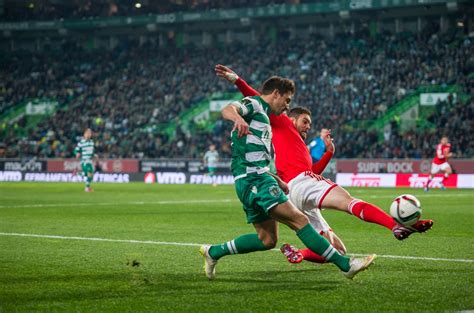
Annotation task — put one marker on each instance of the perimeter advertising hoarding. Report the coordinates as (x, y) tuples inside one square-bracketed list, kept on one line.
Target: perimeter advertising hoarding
[(17, 176), (31, 165), (107, 166), (399, 166), (403, 180), (187, 178)]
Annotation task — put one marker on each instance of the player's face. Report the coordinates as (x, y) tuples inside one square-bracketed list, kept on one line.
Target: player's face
[(444, 140), (282, 102), (303, 125), (324, 132), (88, 134)]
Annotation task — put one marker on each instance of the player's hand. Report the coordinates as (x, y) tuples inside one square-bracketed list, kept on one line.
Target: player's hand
[(328, 142), (242, 127), (335, 241), (226, 73), (283, 186)]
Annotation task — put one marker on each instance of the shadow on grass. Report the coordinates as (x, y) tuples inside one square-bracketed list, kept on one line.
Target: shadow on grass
[(89, 287)]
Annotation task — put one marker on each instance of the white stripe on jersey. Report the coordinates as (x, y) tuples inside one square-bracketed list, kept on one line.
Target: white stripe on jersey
[(257, 156), (259, 125), (255, 140), (244, 109)]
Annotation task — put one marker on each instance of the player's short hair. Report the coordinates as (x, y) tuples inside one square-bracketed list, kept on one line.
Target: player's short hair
[(297, 111), (283, 85)]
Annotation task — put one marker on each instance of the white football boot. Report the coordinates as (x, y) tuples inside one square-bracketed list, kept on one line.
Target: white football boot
[(358, 265), (209, 263)]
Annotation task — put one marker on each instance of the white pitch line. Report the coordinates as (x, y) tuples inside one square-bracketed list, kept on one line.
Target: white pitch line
[(187, 244), (116, 203), (195, 201), (103, 239)]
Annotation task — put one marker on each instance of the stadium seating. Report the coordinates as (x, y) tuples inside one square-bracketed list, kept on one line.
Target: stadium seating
[(49, 10), (123, 93)]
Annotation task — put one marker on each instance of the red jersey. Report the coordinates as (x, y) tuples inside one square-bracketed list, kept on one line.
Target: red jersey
[(292, 156), (441, 152)]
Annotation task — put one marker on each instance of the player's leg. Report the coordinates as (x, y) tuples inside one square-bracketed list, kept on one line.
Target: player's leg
[(446, 168), (212, 174), (265, 238), (267, 230), (338, 198), (295, 255), (433, 171), (289, 215), (88, 175)]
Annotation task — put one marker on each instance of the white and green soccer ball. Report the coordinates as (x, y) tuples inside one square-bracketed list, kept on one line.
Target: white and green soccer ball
[(406, 209)]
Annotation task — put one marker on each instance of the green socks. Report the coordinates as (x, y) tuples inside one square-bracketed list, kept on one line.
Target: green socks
[(88, 181), (308, 235), (243, 244), (318, 244)]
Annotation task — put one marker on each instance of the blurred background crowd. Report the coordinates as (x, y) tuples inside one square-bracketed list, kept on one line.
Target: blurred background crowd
[(346, 80)]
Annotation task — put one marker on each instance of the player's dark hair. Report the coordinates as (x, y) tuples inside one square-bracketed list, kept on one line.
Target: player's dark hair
[(297, 111), (283, 85)]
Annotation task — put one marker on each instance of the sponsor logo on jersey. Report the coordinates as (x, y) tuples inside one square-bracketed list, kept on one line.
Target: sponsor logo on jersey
[(274, 191)]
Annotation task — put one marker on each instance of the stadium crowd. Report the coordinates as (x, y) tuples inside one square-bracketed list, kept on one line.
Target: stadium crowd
[(56, 10), (128, 94)]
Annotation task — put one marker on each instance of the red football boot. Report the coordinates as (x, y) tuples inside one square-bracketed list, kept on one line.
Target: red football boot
[(292, 254), (402, 232)]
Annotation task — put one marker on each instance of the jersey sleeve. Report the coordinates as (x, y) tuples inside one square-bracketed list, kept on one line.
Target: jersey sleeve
[(440, 152), (77, 149), (247, 106), (318, 167), (245, 88)]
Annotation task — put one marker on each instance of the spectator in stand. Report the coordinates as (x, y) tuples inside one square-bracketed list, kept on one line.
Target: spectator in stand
[(129, 94)]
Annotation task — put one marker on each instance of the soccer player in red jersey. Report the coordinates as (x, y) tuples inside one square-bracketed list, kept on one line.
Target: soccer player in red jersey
[(440, 162), (308, 189)]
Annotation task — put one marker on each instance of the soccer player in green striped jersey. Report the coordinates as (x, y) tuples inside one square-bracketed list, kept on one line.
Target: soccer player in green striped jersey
[(210, 160), (262, 193), (86, 152)]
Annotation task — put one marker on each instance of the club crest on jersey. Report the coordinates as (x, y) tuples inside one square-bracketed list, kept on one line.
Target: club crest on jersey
[(274, 191), (254, 190)]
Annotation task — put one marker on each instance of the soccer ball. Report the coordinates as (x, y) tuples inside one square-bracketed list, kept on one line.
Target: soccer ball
[(406, 209)]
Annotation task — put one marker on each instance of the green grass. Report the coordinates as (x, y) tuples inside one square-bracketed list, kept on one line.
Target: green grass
[(48, 274)]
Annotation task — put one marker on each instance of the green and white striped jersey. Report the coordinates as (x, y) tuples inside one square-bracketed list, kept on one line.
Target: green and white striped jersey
[(251, 153), (211, 158), (86, 149)]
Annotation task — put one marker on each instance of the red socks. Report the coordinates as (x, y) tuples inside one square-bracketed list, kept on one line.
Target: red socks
[(370, 213), (445, 177), (310, 256)]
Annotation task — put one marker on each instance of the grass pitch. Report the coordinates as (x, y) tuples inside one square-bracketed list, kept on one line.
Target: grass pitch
[(149, 263)]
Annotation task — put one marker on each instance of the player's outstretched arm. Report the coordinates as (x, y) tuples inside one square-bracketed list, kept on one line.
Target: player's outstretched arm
[(231, 76), (281, 183), (226, 73), (319, 166), (231, 113)]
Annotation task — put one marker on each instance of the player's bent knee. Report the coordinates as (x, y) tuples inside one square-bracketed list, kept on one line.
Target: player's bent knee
[(268, 241), (300, 221)]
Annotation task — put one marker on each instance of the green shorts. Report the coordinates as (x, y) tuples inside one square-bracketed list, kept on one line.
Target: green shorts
[(212, 170), (258, 194), (87, 168)]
